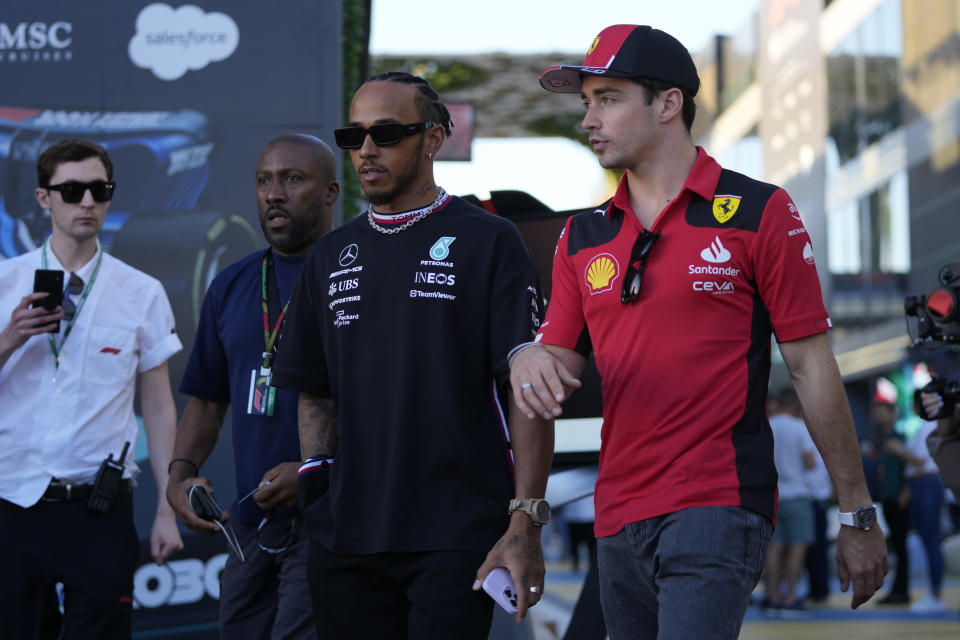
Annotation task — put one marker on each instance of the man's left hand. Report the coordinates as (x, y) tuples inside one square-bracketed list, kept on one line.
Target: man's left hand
[(862, 560), (278, 486), (518, 551), (164, 537)]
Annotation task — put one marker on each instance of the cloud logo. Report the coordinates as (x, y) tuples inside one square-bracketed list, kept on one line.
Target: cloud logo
[(171, 41)]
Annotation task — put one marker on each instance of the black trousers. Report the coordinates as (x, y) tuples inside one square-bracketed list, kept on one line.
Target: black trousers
[(817, 563), (899, 522), (93, 556), (420, 596)]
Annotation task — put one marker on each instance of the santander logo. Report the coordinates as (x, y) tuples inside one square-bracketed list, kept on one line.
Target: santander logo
[(716, 252)]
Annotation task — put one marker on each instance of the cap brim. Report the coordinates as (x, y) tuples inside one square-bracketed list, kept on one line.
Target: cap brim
[(568, 79)]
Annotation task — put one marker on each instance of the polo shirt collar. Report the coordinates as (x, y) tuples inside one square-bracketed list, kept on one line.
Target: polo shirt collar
[(702, 180)]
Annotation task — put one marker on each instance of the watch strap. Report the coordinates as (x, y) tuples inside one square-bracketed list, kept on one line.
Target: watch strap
[(863, 518)]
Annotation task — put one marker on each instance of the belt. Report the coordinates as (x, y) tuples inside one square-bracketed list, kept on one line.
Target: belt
[(60, 491)]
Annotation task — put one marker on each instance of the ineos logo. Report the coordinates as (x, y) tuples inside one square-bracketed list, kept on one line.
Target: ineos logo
[(349, 254)]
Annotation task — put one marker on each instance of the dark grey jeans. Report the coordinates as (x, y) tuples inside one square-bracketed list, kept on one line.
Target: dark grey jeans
[(686, 575), (267, 596)]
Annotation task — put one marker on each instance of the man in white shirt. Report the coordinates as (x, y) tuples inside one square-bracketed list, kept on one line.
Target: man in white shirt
[(67, 393)]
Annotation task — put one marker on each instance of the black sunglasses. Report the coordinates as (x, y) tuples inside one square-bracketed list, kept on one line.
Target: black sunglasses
[(72, 192), (382, 134), (634, 275), (74, 288)]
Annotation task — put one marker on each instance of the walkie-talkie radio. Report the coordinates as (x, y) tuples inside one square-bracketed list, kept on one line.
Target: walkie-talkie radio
[(107, 484)]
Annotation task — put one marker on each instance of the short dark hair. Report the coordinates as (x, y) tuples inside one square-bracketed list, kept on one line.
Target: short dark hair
[(71, 150), (427, 99), (656, 87)]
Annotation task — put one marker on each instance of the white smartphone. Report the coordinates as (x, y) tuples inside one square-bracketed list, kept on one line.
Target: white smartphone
[(500, 587)]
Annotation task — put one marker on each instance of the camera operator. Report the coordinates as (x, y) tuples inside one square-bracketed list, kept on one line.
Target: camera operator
[(944, 443)]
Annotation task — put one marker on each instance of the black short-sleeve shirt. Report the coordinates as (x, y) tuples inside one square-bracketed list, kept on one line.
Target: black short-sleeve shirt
[(409, 335)]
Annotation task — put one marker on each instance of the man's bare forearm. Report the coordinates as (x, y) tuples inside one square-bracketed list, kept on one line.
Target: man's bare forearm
[(317, 423)]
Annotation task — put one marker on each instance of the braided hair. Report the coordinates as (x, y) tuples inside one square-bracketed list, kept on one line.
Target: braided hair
[(427, 100)]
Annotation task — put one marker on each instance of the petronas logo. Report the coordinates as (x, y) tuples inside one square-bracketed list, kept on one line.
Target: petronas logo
[(441, 248)]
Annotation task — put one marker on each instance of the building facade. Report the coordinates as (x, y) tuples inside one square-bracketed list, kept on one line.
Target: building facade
[(854, 107)]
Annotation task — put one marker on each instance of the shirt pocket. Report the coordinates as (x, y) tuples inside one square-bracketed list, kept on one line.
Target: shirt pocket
[(111, 356)]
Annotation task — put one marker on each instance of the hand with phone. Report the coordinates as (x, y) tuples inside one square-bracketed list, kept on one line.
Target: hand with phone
[(29, 318), (178, 495), (517, 559), (499, 586)]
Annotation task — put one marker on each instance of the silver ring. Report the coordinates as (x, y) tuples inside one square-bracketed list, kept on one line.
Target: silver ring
[(535, 590), (525, 386)]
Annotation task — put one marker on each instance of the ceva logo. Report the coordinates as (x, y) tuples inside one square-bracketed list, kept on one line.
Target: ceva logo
[(171, 41)]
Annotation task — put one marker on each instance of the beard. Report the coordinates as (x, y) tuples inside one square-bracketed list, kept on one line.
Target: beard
[(405, 177), (299, 233)]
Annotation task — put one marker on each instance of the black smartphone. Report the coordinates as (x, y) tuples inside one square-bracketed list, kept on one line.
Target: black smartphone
[(203, 503), (51, 282)]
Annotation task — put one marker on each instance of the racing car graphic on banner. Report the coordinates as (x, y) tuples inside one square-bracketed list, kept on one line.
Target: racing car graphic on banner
[(162, 162)]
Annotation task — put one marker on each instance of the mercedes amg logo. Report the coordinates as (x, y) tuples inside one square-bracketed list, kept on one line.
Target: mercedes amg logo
[(348, 255)]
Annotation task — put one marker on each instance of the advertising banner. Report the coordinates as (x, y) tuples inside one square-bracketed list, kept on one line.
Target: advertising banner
[(184, 97)]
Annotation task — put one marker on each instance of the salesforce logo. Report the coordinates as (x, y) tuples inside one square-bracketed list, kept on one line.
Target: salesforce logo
[(171, 41)]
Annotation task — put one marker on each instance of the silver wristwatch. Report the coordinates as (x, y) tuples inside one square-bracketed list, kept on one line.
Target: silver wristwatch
[(863, 518), (537, 508)]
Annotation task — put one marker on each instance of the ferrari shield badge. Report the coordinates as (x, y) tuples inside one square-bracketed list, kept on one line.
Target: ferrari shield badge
[(724, 207)]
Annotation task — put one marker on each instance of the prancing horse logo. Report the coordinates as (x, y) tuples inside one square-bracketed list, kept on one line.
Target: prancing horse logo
[(724, 207)]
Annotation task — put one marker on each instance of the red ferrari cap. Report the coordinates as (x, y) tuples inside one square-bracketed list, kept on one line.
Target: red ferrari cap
[(628, 51)]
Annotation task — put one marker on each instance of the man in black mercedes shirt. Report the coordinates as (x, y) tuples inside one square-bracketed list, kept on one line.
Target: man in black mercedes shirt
[(415, 484)]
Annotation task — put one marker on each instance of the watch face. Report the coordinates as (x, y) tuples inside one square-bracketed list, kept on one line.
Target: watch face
[(865, 517), (543, 510)]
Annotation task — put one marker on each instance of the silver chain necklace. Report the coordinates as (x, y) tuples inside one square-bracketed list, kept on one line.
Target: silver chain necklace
[(417, 216)]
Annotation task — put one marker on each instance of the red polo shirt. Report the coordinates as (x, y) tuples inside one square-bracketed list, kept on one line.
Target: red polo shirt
[(685, 366)]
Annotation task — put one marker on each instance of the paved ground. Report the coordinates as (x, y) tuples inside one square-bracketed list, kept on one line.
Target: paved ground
[(832, 619)]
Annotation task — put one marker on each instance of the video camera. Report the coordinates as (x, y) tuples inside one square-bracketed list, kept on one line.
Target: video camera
[(936, 327)]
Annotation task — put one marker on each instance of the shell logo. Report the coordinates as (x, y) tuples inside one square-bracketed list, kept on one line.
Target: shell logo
[(601, 272)]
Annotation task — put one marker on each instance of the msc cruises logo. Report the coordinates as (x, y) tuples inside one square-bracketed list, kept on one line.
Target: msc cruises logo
[(724, 207), (35, 41), (601, 272)]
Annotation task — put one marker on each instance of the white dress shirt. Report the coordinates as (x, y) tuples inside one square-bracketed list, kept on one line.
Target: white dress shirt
[(62, 422)]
